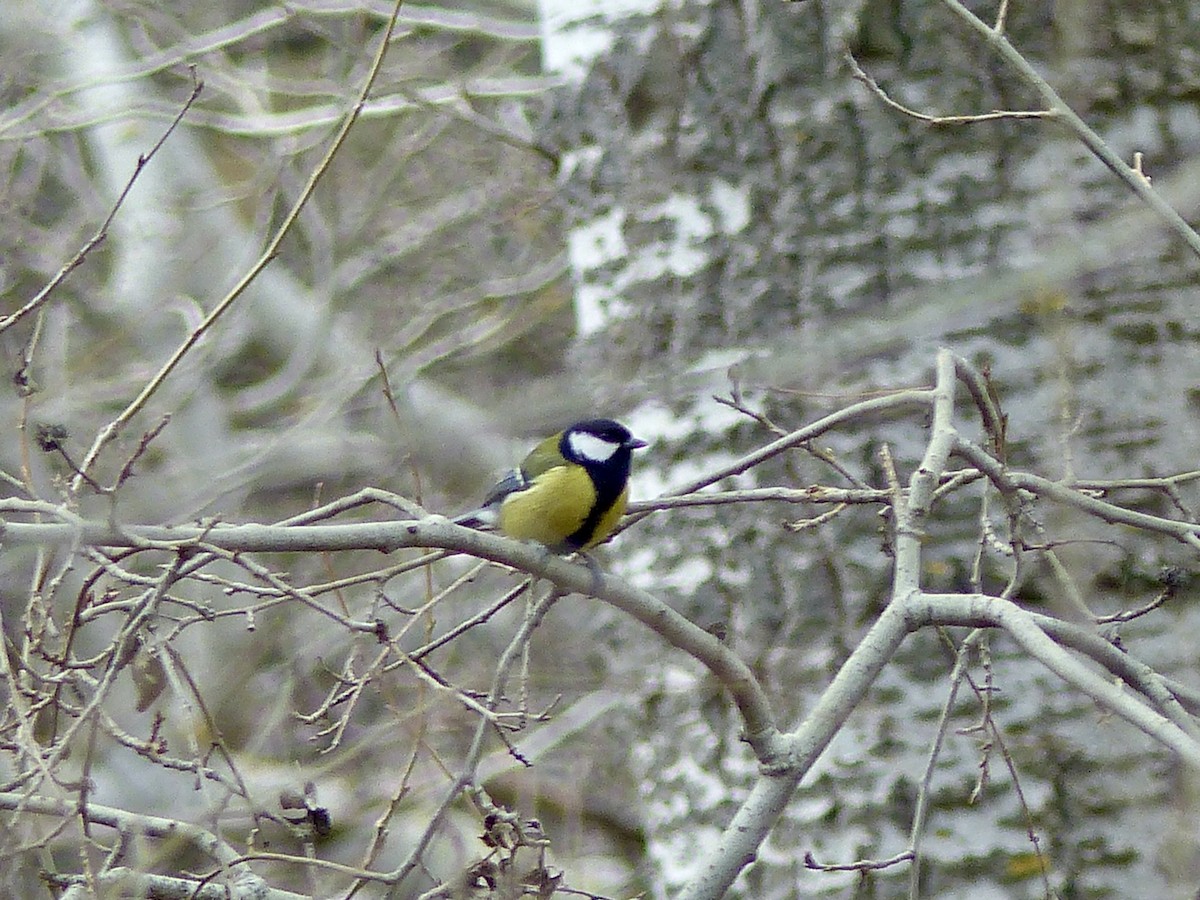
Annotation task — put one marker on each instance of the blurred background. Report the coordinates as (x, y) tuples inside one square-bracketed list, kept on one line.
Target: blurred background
[(556, 210)]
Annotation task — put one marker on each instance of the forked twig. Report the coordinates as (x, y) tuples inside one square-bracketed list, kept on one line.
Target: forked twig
[(102, 232), (110, 431)]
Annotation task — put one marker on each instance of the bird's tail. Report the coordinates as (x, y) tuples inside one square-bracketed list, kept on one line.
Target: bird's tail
[(482, 519)]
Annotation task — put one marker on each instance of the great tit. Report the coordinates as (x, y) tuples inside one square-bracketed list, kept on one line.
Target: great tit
[(570, 491)]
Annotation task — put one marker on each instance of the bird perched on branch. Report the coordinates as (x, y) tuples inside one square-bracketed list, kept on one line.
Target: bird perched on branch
[(568, 494)]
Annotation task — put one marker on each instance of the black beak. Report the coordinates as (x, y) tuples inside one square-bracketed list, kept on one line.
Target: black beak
[(635, 443)]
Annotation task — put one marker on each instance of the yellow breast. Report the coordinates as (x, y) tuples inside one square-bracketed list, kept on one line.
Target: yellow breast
[(555, 507)]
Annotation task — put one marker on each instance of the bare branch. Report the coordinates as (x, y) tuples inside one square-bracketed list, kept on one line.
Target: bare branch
[(996, 115), (102, 232), (114, 427)]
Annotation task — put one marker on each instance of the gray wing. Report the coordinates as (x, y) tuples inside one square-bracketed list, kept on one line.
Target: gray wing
[(485, 516)]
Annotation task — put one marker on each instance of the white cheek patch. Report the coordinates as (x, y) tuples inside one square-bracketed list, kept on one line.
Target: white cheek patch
[(590, 447)]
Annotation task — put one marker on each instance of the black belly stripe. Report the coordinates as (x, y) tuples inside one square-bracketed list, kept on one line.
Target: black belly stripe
[(609, 480)]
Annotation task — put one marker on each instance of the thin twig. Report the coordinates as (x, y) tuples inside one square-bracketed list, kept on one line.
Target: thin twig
[(102, 232), (110, 431), (856, 71), (863, 865), (1135, 180)]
